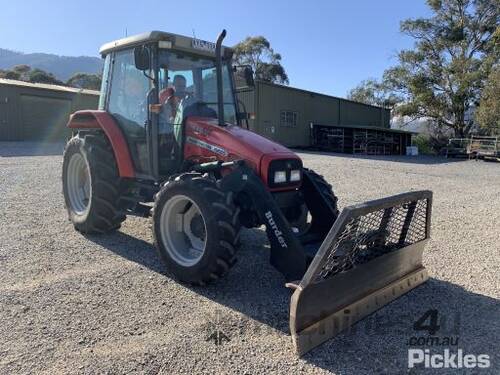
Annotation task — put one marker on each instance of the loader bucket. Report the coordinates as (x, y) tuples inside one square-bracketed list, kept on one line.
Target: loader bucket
[(371, 256)]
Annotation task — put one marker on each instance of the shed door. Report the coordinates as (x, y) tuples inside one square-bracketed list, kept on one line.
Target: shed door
[(43, 118), (4, 119)]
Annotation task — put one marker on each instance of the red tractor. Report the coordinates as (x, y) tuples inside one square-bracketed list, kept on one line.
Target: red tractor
[(168, 141)]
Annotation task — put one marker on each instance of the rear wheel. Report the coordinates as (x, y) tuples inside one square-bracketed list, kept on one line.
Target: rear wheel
[(91, 185), (196, 228)]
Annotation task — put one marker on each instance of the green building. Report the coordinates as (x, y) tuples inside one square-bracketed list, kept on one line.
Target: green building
[(39, 112), (300, 118)]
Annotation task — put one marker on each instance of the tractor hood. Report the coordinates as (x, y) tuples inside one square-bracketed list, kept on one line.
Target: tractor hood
[(205, 138), (255, 143)]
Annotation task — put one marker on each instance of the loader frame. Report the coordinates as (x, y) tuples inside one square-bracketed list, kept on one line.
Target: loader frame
[(371, 256)]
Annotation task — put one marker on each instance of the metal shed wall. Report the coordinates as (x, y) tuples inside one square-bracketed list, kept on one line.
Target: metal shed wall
[(352, 113), (39, 112), (268, 100)]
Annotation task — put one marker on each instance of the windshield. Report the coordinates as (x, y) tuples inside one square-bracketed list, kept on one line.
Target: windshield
[(191, 80)]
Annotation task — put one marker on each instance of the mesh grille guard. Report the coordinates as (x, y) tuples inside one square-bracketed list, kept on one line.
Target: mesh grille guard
[(376, 233), (371, 256)]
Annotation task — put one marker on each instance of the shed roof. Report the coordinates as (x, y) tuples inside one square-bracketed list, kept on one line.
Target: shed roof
[(44, 86), (313, 93)]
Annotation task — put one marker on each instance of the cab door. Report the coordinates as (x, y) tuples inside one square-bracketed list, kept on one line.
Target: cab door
[(129, 95)]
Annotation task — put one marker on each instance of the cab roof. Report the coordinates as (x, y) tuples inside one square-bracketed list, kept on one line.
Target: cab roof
[(175, 41)]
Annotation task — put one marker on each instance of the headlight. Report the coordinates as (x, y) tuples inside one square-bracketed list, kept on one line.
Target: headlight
[(284, 173), (279, 177), (295, 175)]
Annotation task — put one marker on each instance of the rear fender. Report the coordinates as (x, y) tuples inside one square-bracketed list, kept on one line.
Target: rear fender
[(93, 119)]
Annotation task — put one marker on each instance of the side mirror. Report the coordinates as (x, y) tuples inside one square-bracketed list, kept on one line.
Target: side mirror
[(248, 73), (141, 58), (243, 76)]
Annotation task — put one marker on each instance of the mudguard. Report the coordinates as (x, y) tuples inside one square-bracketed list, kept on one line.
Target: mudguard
[(96, 119)]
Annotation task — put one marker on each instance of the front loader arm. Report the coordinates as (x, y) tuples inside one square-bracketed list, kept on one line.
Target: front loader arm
[(287, 255), (371, 255)]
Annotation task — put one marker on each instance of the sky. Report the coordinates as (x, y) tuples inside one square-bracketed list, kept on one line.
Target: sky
[(326, 46)]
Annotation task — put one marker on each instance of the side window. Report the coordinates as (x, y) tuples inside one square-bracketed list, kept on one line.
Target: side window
[(105, 82), (129, 90), (128, 104)]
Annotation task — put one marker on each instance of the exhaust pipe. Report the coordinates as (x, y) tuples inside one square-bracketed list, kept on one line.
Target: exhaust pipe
[(218, 68)]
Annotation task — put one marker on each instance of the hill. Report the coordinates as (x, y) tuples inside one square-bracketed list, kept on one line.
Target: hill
[(63, 67)]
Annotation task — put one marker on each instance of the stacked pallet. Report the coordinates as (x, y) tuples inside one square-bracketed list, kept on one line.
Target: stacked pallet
[(359, 140)]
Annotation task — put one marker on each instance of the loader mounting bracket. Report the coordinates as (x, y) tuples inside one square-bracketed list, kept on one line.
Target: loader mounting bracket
[(287, 255)]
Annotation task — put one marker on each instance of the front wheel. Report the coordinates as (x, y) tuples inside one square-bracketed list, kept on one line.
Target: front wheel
[(317, 218), (196, 228)]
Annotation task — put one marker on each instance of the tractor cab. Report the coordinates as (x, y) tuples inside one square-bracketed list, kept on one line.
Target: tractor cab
[(154, 82)]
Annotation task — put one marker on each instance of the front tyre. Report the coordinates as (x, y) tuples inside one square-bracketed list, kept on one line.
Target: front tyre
[(195, 228), (321, 222), (91, 185)]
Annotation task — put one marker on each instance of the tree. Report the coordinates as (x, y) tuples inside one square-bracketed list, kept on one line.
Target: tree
[(22, 70), (488, 113), (85, 81), (257, 52), (442, 76), (25, 73), (9, 74), (41, 76), (373, 92)]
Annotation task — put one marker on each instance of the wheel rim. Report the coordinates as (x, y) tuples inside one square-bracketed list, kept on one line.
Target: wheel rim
[(78, 184), (183, 230)]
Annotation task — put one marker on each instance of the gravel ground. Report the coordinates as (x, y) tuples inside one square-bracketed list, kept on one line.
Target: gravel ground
[(102, 304)]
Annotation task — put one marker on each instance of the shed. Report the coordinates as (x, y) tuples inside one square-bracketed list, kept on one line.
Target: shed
[(284, 113), (39, 112)]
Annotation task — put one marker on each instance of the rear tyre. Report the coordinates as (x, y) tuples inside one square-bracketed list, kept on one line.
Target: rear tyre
[(196, 228), (91, 185)]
